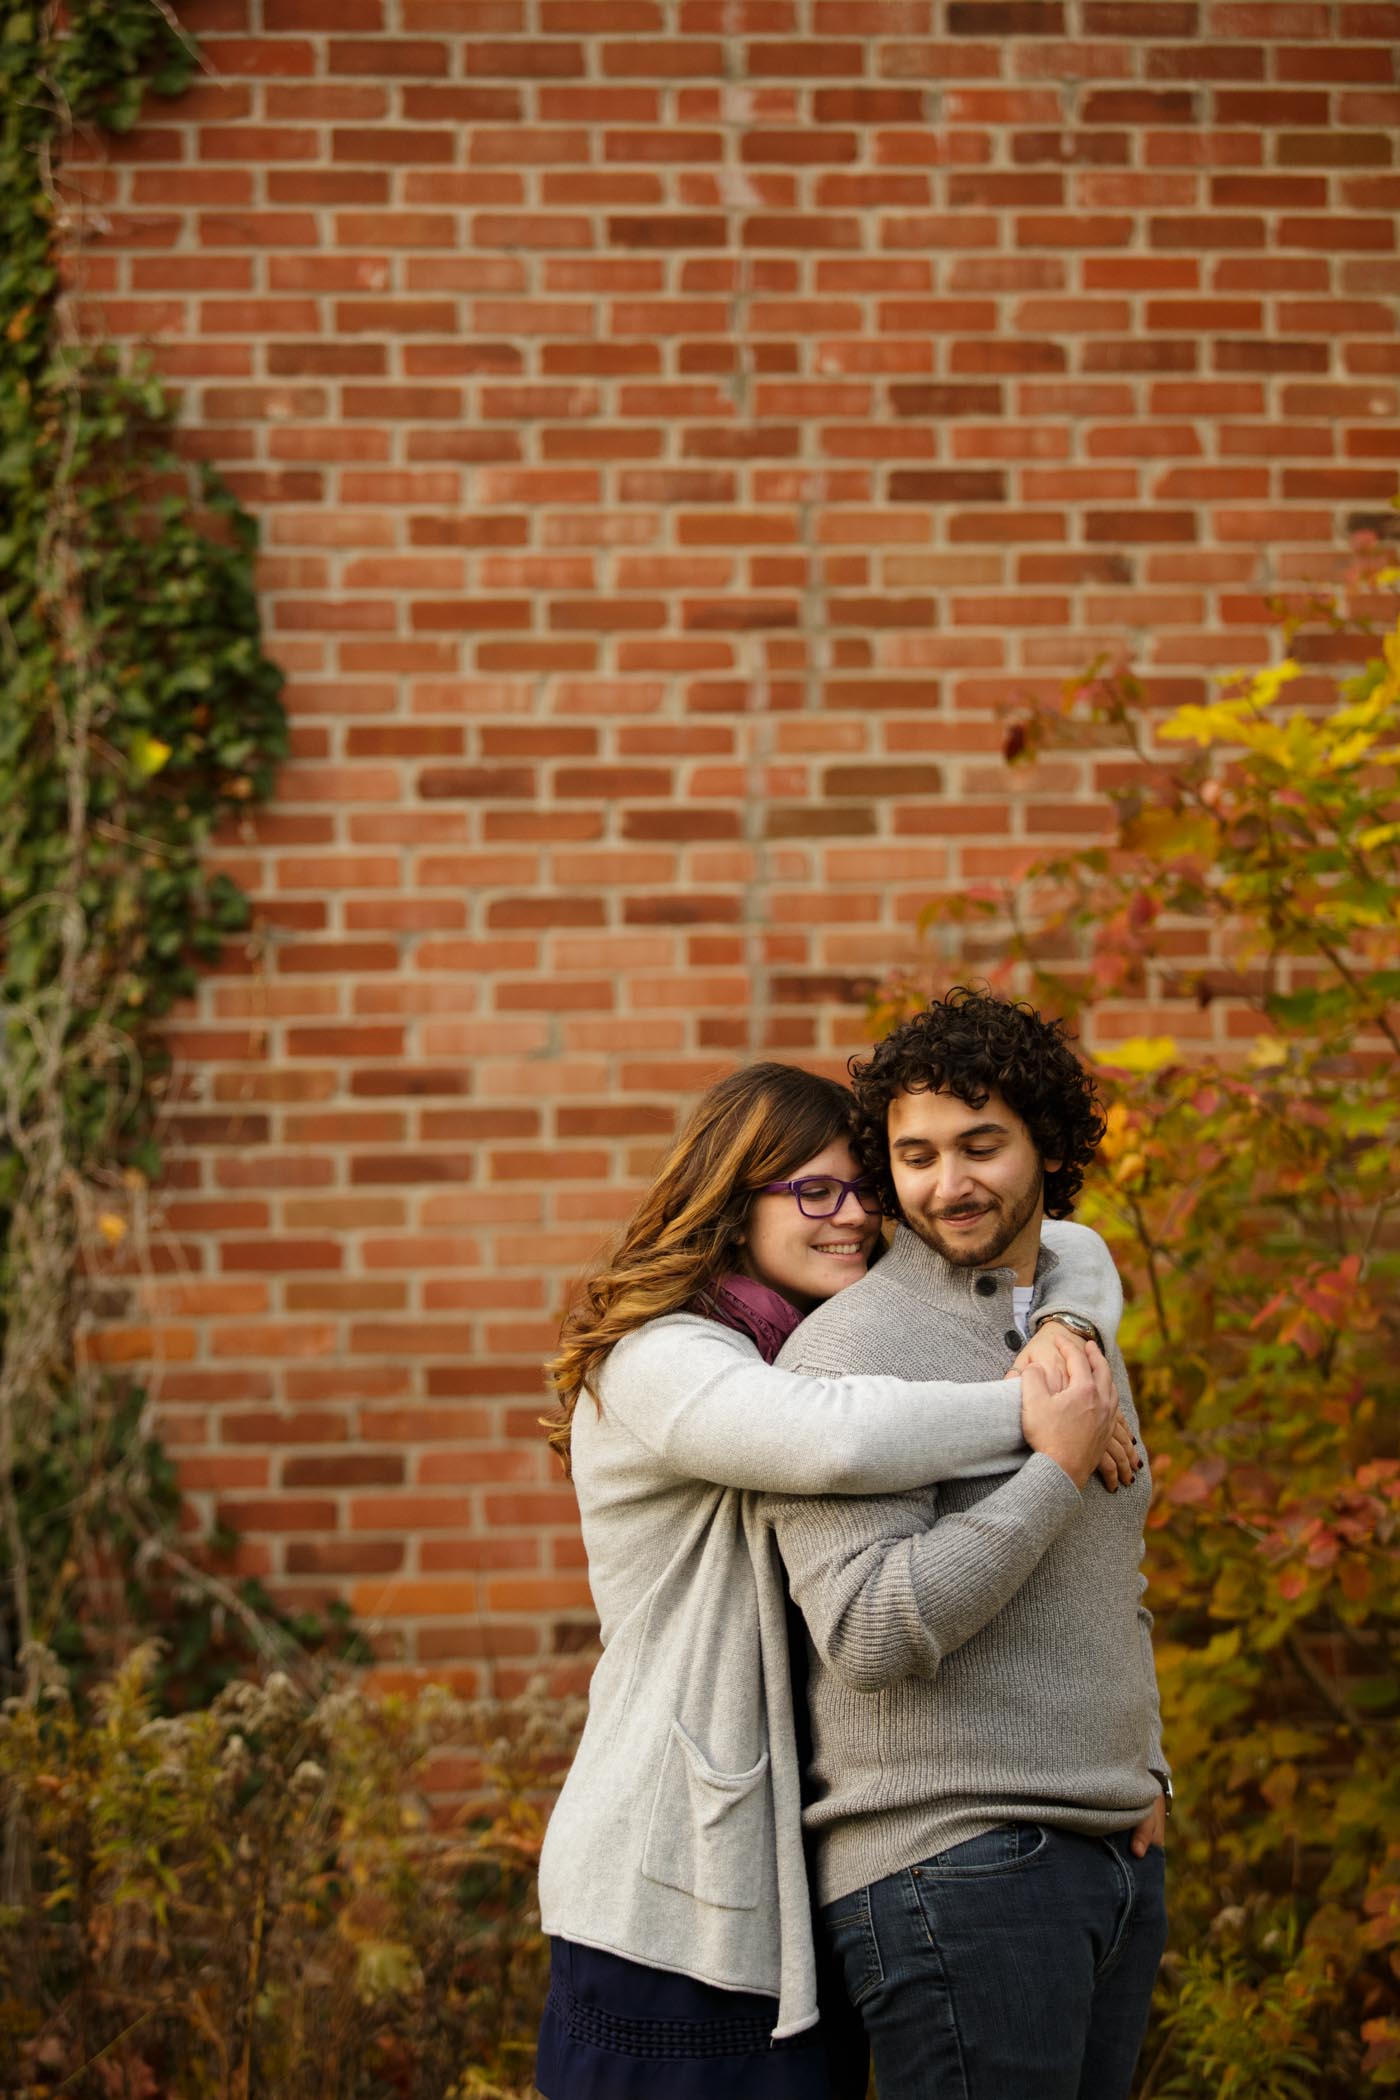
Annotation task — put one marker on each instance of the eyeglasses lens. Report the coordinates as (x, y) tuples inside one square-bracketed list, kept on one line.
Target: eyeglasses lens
[(822, 1199), (818, 1199)]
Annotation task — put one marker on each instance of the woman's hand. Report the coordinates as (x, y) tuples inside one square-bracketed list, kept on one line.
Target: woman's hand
[(1122, 1461), (1056, 1352)]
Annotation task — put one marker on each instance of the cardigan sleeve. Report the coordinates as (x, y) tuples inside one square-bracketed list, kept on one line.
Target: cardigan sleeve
[(702, 1401), (1084, 1280)]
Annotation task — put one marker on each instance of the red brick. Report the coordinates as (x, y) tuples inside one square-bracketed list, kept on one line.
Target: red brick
[(190, 273), (344, 1556), (388, 57), (276, 1513), (1337, 231), (1272, 107), (1270, 18), (1138, 106), (523, 59), (258, 56), (305, 16), (1344, 149), (340, 104), (1360, 62), (343, 1469), (1136, 527), (1202, 62), (393, 148)]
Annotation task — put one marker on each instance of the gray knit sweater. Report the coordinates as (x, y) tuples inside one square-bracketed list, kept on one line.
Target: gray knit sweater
[(979, 1653)]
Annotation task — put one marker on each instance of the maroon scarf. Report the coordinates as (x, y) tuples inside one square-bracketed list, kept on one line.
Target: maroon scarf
[(762, 1314)]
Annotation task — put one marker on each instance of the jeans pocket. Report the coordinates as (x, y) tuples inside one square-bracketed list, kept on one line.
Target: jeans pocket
[(710, 1833), (1006, 1850), (850, 1935)]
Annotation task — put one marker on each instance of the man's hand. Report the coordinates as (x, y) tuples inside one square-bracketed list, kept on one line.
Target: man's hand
[(1073, 1426), (1057, 1351), (1152, 1830), (1053, 1350)]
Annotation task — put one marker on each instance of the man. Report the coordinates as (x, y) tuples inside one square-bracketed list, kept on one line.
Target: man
[(987, 1788)]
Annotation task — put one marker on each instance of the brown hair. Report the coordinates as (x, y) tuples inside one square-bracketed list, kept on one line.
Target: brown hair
[(754, 1125)]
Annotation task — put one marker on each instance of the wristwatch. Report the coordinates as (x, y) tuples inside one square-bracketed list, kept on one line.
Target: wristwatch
[(1076, 1323), (1164, 1780)]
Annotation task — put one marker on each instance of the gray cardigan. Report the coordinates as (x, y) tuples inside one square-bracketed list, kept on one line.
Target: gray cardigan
[(677, 1840)]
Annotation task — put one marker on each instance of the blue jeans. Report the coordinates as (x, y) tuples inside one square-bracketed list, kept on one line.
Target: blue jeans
[(1018, 1966)]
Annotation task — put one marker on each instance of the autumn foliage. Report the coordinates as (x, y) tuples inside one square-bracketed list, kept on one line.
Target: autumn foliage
[(261, 1899), (1249, 1188)]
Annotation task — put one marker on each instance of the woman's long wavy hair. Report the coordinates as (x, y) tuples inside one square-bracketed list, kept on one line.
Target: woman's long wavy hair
[(757, 1124)]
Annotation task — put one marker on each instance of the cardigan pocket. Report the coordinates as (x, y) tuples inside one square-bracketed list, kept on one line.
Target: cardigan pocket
[(708, 1833)]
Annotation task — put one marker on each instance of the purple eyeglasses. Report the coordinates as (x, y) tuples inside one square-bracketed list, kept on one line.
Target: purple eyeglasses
[(821, 1195)]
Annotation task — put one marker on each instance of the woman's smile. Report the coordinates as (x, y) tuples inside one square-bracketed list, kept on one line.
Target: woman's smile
[(808, 1259)]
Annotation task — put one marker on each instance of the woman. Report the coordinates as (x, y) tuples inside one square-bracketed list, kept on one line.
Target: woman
[(672, 1880)]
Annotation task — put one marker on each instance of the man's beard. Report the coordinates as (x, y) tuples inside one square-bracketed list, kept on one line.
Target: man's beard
[(1002, 1226)]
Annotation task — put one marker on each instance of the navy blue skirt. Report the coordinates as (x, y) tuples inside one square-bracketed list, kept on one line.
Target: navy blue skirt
[(616, 2030)]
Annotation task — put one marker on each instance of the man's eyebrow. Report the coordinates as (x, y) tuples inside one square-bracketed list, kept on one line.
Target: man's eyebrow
[(974, 1130)]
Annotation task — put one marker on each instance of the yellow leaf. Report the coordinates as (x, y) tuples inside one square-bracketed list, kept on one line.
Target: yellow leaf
[(1116, 1134), (1168, 833), (1364, 714), (1241, 717), (1280, 1786), (111, 1227), (1203, 725), (1142, 1053), (1266, 1052), (148, 755), (384, 1968), (1350, 749), (1267, 685)]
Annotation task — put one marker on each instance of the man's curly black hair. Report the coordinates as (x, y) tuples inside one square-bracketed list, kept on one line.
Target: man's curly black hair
[(972, 1043)]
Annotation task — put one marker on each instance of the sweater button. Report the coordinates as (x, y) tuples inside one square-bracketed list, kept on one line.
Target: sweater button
[(986, 1286), (1015, 1340)]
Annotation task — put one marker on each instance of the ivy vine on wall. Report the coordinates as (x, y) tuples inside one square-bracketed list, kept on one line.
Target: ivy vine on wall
[(138, 712)]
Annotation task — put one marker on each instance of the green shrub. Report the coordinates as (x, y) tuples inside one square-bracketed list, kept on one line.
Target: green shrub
[(256, 1901)]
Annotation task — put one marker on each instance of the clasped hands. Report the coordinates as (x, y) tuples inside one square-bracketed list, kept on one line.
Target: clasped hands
[(1056, 1362)]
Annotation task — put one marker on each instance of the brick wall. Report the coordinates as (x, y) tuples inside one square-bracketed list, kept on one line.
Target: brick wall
[(677, 426)]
